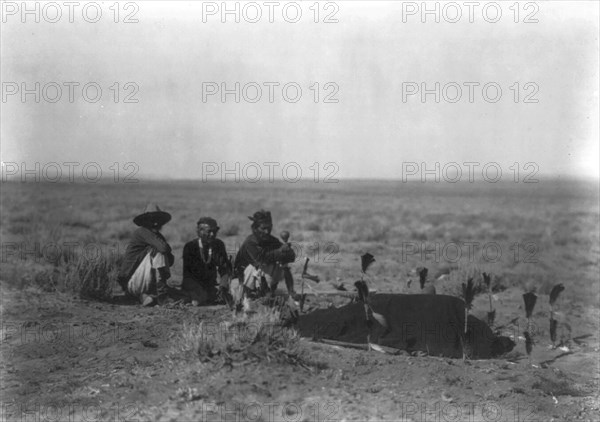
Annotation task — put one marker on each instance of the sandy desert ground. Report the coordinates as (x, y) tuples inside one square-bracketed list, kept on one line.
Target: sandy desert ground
[(68, 356)]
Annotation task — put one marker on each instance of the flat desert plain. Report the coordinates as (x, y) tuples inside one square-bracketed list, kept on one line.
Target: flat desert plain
[(74, 349)]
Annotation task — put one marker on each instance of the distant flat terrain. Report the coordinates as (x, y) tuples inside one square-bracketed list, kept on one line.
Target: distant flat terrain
[(528, 236)]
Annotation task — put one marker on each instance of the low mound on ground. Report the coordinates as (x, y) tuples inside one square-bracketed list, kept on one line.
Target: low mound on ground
[(430, 323)]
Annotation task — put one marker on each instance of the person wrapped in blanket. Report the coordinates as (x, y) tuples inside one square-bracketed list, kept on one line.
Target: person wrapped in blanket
[(262, 261), (144, 270), (206, 268)]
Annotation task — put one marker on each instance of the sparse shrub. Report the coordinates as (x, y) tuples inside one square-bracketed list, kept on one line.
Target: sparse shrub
[(18, 228), (256, 337), (500, 283), (435, 219), (452, 380), (40, 235), (377, 233), (91, 278), (417, 235), (123, 234), (78, 224), (231, 230), (361, 360), (47, 280), (453, 285), (64, 270), (559, 387), (313, 227), (244, 331)]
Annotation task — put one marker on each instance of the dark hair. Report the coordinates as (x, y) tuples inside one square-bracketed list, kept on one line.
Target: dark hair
[(261, 216), (208, 221)]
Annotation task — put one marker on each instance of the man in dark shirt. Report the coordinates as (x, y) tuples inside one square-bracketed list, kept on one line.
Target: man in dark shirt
[(206, 268), (144, 270), (261, 262)]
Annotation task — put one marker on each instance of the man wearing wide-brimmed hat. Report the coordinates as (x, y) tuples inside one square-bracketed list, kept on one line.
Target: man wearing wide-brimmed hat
[(145, 268), (261, 262), (206, 269)]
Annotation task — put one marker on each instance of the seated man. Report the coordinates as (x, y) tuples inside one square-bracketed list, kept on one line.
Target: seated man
[(203, 259), (261, 262), (145, 268)]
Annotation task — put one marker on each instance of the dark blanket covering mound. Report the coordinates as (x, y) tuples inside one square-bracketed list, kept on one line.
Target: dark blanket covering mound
[(430, 323)]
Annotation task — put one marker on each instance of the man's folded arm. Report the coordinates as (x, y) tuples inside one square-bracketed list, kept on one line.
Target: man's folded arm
[(270, 256), (146, 236), (288, 256)]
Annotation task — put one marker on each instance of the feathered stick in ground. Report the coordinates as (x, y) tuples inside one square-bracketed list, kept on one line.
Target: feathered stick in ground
[(556, 290), (423, 277), (287, 274), (306, 275), (487, 279), (530, 299), (363, 296), (468, 295), (365, 262)]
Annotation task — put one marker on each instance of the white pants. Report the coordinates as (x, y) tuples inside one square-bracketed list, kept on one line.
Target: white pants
[(143, 280), (273, 274)]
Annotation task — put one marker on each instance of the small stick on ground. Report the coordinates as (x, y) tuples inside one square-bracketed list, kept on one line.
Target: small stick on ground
[(530, 299), (468, 295)]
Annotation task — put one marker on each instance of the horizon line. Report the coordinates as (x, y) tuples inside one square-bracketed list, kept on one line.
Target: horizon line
[(144, 178)]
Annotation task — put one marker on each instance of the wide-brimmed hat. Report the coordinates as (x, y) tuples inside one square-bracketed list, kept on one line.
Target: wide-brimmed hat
[(211, 222), (261, 216), (152, 216)]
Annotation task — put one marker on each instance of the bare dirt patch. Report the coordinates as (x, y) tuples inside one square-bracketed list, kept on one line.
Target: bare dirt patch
[(67, 358), (99, 361)]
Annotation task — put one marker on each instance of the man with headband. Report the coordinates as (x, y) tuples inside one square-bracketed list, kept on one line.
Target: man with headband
[(261, 262), (206, 269)]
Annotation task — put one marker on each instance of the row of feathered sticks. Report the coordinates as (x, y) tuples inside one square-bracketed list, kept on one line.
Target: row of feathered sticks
[(530, 299), (468, 289)]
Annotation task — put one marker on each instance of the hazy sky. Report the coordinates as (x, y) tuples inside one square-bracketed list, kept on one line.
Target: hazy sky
[(371, 57)]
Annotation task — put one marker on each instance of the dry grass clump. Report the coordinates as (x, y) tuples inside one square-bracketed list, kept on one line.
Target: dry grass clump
[(90, 278), (254, 338), (93, 278), (552, 385), (453, 285), (230, 230)]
